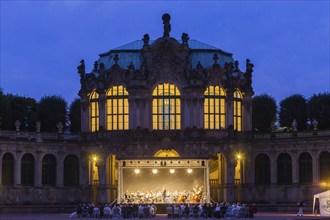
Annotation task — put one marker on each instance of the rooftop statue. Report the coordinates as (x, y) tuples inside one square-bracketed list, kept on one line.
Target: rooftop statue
[(167, 26)]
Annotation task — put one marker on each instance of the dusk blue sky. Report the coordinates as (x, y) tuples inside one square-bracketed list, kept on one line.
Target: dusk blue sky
[(43, 42)]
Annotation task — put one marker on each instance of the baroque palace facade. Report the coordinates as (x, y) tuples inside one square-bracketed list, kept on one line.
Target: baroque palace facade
[(165, 103)]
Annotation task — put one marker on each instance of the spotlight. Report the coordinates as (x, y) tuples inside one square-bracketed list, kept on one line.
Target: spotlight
[(94, 158), (137, 171), (172, 171), (189, 170), (154, 171), (239, 156)]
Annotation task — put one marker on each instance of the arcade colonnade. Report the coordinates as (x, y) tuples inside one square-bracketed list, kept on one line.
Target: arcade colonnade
[(91, 175)]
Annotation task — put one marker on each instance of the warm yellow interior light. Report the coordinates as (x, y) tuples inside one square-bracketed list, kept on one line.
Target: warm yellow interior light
[(137, 171), (154, 171), (189, 170), (172, 171)]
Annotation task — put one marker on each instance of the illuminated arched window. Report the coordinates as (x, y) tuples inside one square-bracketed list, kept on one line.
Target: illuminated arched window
[(94, 111), (166, 107), (214, 108), (117, 108), (238, 109)]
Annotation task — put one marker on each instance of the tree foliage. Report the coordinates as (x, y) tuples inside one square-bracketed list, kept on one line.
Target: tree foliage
[(319, 109), (14, 108), (293, 107), (52, 110), (75, 115), (263, 112)]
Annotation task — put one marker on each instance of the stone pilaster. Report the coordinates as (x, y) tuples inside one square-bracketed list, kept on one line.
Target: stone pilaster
[(85, 115), (247, 113), (229, 109)]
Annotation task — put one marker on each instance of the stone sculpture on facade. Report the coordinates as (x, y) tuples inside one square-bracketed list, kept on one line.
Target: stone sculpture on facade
[(167, 26), (294, 125), (185, 38), (146, 39)]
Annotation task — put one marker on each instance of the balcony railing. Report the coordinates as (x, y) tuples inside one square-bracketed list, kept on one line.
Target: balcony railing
[(145, 134)]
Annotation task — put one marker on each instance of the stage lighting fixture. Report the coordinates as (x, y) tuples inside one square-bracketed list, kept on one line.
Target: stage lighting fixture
[(154, 171), (189, 170), (137, 171), (172, 171)]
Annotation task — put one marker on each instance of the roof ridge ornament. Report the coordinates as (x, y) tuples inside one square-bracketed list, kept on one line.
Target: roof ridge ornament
[(116, 58), (167, 26)]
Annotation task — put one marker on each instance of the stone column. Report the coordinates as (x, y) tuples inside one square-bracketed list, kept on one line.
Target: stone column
[(207, 170), (102, 110), (60, 172), (316, 175), (17, 168), (85, 115), (273, 178), (102, 180), (229, 190), (38, 170), (295, 169)]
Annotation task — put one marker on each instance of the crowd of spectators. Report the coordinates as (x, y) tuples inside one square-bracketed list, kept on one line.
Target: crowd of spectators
[(207, 210), (211, 210), (115, 211)]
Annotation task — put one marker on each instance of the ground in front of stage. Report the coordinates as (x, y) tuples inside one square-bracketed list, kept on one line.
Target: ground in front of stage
[(56, 216)]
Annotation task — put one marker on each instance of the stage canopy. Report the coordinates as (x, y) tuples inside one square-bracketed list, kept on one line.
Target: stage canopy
[(324, 203)]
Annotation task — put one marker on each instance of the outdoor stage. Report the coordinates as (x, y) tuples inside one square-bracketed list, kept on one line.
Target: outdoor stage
[(163, 181)]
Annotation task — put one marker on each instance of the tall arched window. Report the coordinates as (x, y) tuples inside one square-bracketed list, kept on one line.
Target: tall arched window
[(284, 169), (214, 108), (71, 170), (262, 169), (238, 111), (117, 108), (8, 169), (166, 107), (325, 166), (49, 170), (94, 111), (27, 170), (305, 168)]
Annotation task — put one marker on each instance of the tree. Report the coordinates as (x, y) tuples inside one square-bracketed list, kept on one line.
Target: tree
[(14, 108), (293, 107), (4, 111), (75, 115), (263, 112), (319, 109), (52, 110)]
